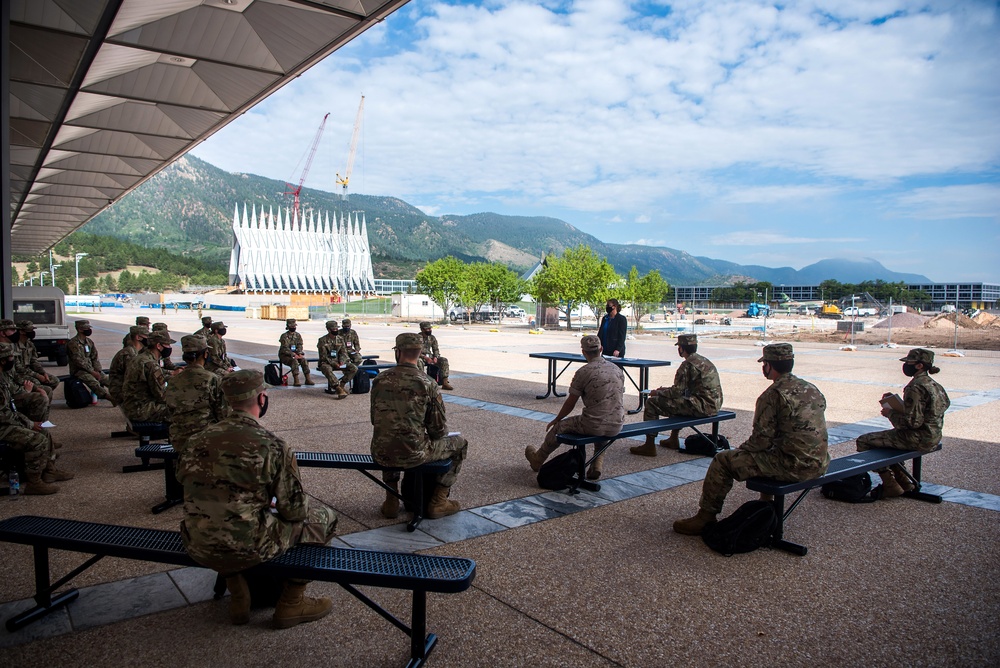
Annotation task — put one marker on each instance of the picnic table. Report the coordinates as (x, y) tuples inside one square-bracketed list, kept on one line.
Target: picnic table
[(625, 363)]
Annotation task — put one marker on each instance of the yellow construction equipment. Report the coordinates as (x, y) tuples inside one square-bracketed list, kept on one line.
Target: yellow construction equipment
[(350, 155), (830, 311)]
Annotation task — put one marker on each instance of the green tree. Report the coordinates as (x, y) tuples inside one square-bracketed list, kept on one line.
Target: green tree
[(32, 267), (572, 279), (14, 277), (88, 285), (109, 283), (440, 280), (644, 293), (488, 283), (127, 282)]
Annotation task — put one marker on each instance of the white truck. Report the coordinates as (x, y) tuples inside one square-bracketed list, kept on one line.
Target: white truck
[(852, 311), (45, 307)]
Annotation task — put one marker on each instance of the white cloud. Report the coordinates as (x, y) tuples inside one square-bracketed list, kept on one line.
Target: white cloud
[(764, 238), (965, 201)]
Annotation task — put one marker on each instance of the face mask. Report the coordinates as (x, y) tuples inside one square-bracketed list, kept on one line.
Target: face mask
[(31, 335), (15, 337), (347, 328), (263, 406), (909, 370), (609, 309), (291, 329), (8, 365), (222, 332), (765, 369), (87, 332), (165, 352)]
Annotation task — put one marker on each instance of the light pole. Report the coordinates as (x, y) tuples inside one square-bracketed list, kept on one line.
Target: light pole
[(41, 278), (52, 268), (78, 256)]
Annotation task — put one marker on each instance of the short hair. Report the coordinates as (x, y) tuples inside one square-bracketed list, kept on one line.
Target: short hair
[(614, 302), (689, 348), (192, 356), (782, 366)]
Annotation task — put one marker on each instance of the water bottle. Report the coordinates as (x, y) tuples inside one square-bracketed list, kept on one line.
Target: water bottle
[(14, 481)]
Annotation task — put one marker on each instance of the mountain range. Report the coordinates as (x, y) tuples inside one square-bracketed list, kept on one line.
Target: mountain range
[(190, 205)]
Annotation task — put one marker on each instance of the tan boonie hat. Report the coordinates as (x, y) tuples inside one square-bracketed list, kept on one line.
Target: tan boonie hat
[(26, 326), (6, 350), (590, 344), (922, 355), (777, 352), (408, 340), (331, 325), (193, 343), (218, 324), (425, 325), (206, 320), (687, 340), (159, 336), (160, 326), (7, 323), (81, 324), (345, 321), (142, 320), (243, 384), (290, 322)]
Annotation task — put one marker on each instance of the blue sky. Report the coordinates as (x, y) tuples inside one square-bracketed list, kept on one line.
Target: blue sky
[(760, 133)]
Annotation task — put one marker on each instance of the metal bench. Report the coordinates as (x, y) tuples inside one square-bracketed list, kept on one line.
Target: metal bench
[(840, 468), (348, 568), (602, 443), (146, 433), (174, 491)]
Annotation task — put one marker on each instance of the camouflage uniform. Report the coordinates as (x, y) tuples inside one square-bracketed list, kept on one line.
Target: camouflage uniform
[(119, 364), (165, 362), (696, 392), (17, 429), (407, 413), (788, 442), (140, 321), (194, 398), (145, 389), (230, 473), (218, 360), (920, 424), (206, 327), (33, 403), (333, 355), (25, 349), (430, 349), (352, 344), (83, 360), (601, 385), (289, 345)]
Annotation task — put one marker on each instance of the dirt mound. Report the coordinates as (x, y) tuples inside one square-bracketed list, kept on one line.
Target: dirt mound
[(948, 320), (902, 320), (987, 319)]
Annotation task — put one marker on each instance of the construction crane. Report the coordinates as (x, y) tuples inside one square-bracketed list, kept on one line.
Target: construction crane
[(350, 155), (305, 170)]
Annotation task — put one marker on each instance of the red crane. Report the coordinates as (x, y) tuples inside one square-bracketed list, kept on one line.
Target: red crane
[(305, 170)]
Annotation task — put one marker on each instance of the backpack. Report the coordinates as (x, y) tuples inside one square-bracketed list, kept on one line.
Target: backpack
[(750, 527), (78, 395), (434, 372), (699, 444), (362, 383), (408, 489), (853, 489), (368, 362), (272, 375), (558, 472)]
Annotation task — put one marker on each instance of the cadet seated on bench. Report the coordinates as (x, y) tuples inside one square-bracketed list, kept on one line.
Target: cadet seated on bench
[(410, 428), (194, 396), (917, 427), (696, 392), (788, 442), (145, 389), (85, 363), (230, 472)]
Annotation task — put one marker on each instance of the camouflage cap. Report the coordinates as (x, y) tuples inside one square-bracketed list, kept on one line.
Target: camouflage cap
[(331, 325), (777, 352), (81, 324), (193, 343), (243, 384), (138, 330), (7, 323), (206, 320), (160, 326), (217, 325), (922, 355), (345, 321), (425, 325), (160, 336), (26, 326), (590, 344), (290, 322), (142, 320), (687, 340), (6, 350), (408, 340)]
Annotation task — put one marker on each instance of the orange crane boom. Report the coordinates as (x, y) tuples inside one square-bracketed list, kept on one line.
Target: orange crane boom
[(350, 155)]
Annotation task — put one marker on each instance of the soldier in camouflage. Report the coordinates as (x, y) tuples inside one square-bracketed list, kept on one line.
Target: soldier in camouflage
[(194, 396), (165, 363), (26, 436), (918, 426), (140, 321), (431, 354), (696, 392), (135, 341), (788, 441), (351, 341), (85, 363), (292, 354), (206, 326), (25, 348), (332, 357), (407, 413), (601, 384), (218, 360), (30, 397), (145, 388), (230, 471)]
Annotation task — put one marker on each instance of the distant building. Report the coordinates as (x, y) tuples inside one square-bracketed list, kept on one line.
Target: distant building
[(965, 295), (279, 253)]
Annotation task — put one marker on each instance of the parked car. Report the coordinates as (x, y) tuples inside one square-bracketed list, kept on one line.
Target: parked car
[(484, 314), (46, 308), (513, 311)]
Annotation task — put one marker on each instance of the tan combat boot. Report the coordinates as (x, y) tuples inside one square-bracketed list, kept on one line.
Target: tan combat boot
[(445, 385), (341, 391), (390, 507), (899, 473), (309, 380), (295, 379), (647, 449), (35, 486), (890, 488), (672, 443), (52, 474), (239, 600), (693, 526), (294, 607), (594, 472), (440, 505), (535, 456)]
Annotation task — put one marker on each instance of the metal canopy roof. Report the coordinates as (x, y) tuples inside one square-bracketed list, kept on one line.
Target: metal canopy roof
[(105, 93)]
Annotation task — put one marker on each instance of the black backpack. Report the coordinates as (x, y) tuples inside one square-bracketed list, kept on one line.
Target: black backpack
[(853, 489), (750, 527), (78, 395), (408, 489), (272, 375), (558, 472), (700, 444), (362, 383)]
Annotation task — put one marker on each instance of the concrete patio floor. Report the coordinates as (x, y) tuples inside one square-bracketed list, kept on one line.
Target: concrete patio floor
[(597, 579)]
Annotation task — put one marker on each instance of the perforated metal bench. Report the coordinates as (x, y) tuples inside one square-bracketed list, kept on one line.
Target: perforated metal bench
[(146, 432), (348, 568), (840, 468), (581, 441), (174, 492)]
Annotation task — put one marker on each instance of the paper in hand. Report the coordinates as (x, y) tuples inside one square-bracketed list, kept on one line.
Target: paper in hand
[(46, 425)]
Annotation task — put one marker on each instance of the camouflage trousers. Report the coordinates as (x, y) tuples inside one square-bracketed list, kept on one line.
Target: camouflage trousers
[(98, 387), (670, 405), (149, 412), (349, 371), (48, 385), (449, 447), (34, 405), (295, 364), (319, 527), (731, 465), (442, 364), (575, 424), (36, 446), (897, 439)]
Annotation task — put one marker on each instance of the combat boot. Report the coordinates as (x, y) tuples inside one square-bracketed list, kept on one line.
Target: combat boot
[(294, 607), (35, 486), (239, 599), (899, 473), (342, 391), (440, 505), (390, 507), (693, 526), (445, 385), (672, 443), (309, 380), (536, 456), (890, 488), (52, 474), (295, 379), (647, 449), (594, 472)]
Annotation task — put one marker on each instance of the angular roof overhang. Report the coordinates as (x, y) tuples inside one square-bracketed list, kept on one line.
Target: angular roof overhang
[(105, 93)]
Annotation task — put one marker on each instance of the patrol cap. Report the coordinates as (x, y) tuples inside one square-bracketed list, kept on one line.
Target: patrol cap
[(160, 326), (206, 320), (243, 384), (290, 322), (7, 323), (777, 352), (218, 324), (26, 326), (138, 330), (331, 325), (345, 321), (159, 336), (81, 324), (408, 340), (193, 343), (687, 340), (142, 320), (590, 344), (922, 355), (6, 350), (425, 325)]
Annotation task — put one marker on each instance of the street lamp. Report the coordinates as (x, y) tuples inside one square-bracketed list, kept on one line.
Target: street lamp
[(78, 256), (52, 268)]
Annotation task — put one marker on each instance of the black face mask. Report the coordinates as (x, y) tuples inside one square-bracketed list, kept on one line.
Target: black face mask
[(765, 369), (31, 335), (165, 352), (15, 337), (609, 309), (8, 365), (291, 329), (221, 332), (347, 328), (909, 370), (263, 406), (86, 332)]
